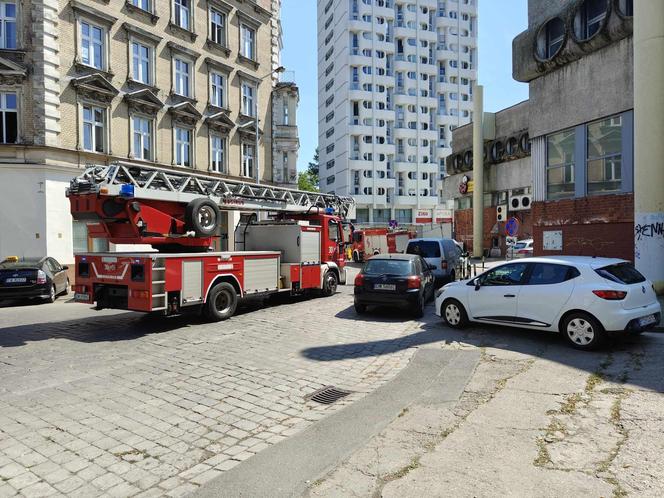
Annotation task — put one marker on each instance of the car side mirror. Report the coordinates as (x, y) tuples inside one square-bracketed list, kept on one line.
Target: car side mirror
[(477, 284), (65, 267)]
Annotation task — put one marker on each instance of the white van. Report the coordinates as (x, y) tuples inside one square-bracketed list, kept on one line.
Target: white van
[(443, 254)]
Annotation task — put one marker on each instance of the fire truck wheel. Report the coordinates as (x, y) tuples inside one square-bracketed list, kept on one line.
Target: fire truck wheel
[(329, 284), (221, 302), (202, 216)]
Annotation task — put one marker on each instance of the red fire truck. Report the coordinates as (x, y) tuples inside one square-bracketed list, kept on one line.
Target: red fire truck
[(371, 241), (300, 249)]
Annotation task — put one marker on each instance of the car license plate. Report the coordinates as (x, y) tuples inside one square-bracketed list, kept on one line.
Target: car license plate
[(81, 297), (15, 280), (385, 287), (647, 320)]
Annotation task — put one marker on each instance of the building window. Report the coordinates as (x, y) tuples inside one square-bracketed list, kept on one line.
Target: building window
[(217, 89), (9, 120), (92, 45), (182, 13), (145, 5), (94, 128), (142, 138), (554, 35), (141, 56), (248, 105), (218, 153), (248, 160), (403, 215), (286, 113), (248, 41), (218, 27), (560, 164), (591, 16), (7, 24), (183, 152), (182, 77), (604, 159)]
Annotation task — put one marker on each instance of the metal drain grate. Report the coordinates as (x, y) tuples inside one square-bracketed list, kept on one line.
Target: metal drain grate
[(327, 395)]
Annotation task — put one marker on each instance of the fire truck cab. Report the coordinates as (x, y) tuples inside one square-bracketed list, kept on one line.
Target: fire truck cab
[(299, 250)]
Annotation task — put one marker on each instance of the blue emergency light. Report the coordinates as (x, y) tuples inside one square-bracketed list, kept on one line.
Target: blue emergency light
[(127, 190), (329, 210)]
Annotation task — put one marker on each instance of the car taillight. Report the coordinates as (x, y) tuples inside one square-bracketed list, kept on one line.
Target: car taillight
[(41, 277), (610, 295), (443, 264), (522, 251), (414, 282), (359, 280)]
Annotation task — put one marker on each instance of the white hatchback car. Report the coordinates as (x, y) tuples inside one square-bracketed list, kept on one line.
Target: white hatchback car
[(582, 297)]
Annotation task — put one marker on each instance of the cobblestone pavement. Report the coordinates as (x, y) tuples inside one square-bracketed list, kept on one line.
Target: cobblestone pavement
[(119, 404)]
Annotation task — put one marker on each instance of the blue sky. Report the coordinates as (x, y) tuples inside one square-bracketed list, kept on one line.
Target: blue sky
[(499, 22)]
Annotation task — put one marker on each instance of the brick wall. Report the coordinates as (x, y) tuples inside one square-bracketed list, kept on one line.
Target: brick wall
[(591, 226), (463, 226)]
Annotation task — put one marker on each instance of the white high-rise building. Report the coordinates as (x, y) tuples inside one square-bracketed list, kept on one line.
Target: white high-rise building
[(394, 78)]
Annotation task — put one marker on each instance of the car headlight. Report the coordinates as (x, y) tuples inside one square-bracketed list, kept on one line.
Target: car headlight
[(439, 292)]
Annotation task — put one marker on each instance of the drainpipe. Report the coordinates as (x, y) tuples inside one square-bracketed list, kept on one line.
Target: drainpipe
[(648, 143), (478, 171)]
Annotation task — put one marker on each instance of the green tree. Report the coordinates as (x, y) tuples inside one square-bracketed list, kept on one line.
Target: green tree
[(314, 168), (305, 181)]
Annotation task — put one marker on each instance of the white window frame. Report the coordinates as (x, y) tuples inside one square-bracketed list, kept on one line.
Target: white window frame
[(178, 7), (151, 62), (151, 137), (212, 12), (218, 155), (4, 110), (248, 162), (178, 145), (9, 20), (106, 129), (245, 99), (223, 89), (104, 48), (139, 4), (190, 76), (246, 28)]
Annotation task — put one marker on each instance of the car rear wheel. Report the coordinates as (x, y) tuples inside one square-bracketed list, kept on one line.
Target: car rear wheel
[(221, 303), (583, 331), (454, 314), (418, 311), (52, 295), (360, 308)]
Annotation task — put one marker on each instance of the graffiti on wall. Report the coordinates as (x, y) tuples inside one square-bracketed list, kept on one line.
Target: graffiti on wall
[(649, 245)]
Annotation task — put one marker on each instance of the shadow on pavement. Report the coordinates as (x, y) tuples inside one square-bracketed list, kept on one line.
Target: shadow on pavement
[(545, 345)]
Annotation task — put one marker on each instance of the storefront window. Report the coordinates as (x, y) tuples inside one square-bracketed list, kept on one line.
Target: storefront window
[(560, 165), (362, 215), (404, 215), (381, 215), (604, 161)]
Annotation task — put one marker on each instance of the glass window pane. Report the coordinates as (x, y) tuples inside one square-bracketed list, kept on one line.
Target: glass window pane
[(10, 101), (560, 148), (605, 137), (11, 127)]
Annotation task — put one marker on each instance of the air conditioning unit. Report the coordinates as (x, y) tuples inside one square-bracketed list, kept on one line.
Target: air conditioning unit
[(501, 212), (520, 203)]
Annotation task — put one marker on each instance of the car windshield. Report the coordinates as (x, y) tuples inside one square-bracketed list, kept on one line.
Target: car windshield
[(426, 249), (623, 273), (400, 267)]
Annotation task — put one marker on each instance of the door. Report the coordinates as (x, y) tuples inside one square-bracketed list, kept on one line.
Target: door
[(496, 298), (59, 275), (547, 288)]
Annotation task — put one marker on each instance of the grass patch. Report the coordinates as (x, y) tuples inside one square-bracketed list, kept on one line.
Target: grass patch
[(403, 412), (569, 406), (593, 381), (403, 471), (543, 456)]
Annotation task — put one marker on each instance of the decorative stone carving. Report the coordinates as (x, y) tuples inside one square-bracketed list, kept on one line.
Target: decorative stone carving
[(185, 113), (143, 102), (95, 87)]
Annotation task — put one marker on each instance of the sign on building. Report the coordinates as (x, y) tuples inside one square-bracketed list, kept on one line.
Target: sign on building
[(552, 240)]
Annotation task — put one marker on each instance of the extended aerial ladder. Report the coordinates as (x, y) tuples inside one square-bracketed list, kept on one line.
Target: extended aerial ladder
[(174, 210)]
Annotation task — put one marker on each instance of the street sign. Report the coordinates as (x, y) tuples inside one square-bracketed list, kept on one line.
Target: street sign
[(512, 227), (510, 241), (393, 224)]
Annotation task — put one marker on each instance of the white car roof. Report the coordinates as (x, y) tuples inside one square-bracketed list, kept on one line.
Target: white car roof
[(593, 262)]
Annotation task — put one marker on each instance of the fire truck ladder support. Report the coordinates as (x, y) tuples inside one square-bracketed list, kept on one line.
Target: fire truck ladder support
[(147, 182)]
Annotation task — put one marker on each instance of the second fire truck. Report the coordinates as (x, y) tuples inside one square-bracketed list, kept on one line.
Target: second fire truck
[(298, 250)]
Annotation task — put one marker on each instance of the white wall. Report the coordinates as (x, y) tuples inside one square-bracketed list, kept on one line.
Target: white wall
[(22, 212)]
